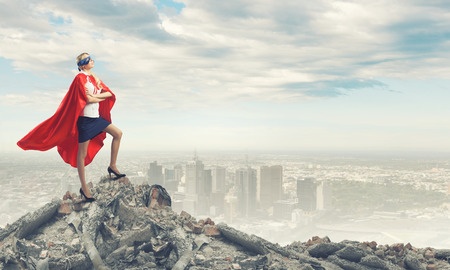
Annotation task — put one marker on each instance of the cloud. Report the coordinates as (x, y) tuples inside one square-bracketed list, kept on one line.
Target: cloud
[(248, 73), (194, 54)]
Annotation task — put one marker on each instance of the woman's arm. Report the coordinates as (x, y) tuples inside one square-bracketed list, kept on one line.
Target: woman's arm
[(103, 95), (95, 98)]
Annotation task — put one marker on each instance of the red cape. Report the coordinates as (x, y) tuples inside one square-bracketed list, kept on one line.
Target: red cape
[(61, 129)]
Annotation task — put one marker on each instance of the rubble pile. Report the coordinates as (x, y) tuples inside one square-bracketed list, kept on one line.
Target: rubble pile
[(134, 227)]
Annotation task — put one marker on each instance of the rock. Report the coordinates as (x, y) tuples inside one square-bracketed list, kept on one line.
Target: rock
[(398, 247), (41, 264), (197, 228), (351, 253), (413, 263), (116, 255), (129, 238), (65, 208), (371, 245), (159, 197), (442, 254), (31, 222), (323, 250), (317, 240), (373, 261), (345, 264), (236, 266), (211, 230), (185, 215), (44, 254), (428, 254)]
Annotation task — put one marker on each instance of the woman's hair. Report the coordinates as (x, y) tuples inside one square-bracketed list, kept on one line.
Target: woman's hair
[(82, 56)]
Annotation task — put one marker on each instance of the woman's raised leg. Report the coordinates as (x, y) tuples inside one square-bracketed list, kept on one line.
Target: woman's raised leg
[(116, 133)]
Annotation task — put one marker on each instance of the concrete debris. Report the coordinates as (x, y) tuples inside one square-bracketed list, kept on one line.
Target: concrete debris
[(134, 227)]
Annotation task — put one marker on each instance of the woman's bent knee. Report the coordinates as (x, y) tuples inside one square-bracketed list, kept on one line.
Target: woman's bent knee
[(119, 134)]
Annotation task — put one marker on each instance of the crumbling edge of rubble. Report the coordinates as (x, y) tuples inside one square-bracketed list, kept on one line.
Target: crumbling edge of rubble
[(30, 222)]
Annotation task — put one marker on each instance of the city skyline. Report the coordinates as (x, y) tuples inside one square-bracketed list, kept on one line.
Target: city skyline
[(30, 182), (237, 75)]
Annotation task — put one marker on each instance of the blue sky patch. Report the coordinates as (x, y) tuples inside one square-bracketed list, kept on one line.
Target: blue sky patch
[(56, 20), (163, 4), (332, 88)]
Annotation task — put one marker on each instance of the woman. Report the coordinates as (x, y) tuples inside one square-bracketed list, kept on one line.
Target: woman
[(79, 125)]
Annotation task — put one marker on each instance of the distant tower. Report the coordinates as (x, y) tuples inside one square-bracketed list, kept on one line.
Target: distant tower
[(155, 175), (270, 185), (218, 179), (324, 194), (230, 205), (169, 175), (206, 183), (178, 172), (194, 176), (307, 194), (246, 187), (198, 183), (219, 175), (204, 193), (171, 179)]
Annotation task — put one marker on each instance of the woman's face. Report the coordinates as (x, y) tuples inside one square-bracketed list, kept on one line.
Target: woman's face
[(90, 64)]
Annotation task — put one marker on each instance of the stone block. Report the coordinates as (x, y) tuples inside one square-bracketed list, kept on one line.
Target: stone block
[(236, 266), (211, 230), (142, 235), (185, 215), (428, 254), (65, 208), (351, 253), (374, 262), (44, 254), (413, 263), (323, 250), (197, 229)]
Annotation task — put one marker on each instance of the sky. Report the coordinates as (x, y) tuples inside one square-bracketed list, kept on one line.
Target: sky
[(237, 75)]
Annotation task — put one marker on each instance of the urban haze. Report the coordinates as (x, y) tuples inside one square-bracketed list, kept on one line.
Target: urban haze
[(282, 197)]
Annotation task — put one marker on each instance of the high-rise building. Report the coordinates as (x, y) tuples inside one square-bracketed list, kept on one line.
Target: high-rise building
[(155, 175), (169, 174), (204, 194), (324, 194), (270, 185), (218, 190), (198, 186), (178, 172), (170, 183), (206, 183), (194, 176), (172, 177), (307, 194), (218, 179), (230, 205), (246, 187)]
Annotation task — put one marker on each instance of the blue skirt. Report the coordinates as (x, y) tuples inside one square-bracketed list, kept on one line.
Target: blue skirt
[(89, 127)]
